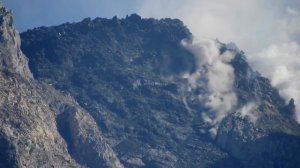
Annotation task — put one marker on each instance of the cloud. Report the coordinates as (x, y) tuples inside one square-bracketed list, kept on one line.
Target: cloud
[(216, 75), (290, 25), (268, 31), (281, 64), (249, 111), (253, 22), (253, 25), (280, 61)]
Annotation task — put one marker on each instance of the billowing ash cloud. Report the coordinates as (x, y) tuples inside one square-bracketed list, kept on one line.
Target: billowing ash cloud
[(268, 31), (281, 63), (216, 74), (249, 110), (253, 25)]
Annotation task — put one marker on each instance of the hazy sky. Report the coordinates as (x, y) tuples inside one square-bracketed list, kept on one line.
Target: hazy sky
[(33, 13), (267, 30), (254, 22)]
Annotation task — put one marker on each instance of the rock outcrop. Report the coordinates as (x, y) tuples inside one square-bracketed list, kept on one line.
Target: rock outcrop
[(127, 73), (110, 93), (29, 111), (12, 58)]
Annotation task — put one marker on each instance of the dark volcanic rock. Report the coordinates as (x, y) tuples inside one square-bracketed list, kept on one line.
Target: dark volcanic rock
[(121, 70), (121, 101), (127, 74)]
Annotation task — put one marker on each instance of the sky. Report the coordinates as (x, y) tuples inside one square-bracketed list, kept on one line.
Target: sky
[(267, 30), (252, 24), (33, 13)]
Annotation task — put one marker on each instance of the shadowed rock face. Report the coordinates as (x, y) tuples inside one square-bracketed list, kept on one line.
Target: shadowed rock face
[(121, 72), (127, 74), (119, 100)]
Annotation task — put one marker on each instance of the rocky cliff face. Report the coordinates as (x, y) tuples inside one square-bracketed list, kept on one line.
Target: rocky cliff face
[(12, 58), (111, 93), (127, 74), (266, 141), (30, 122)]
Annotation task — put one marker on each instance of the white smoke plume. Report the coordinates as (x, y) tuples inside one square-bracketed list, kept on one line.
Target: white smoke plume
[(249, 110), (253, 25), (268, 31), (280, 62), (216, 74)]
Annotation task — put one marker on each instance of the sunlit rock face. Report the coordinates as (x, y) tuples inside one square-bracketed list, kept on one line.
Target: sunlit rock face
[(30, 124), (12, 58), (136, 92)]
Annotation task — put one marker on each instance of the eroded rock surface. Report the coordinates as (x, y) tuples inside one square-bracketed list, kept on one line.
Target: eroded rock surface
[(127, 73), (29, 111)]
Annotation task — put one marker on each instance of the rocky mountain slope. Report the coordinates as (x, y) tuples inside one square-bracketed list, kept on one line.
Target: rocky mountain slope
[(34, 116), (112, 93), (127, 74)]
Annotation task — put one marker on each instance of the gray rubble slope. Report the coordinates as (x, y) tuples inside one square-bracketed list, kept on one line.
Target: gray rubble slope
[(127, 73), (30, 123)]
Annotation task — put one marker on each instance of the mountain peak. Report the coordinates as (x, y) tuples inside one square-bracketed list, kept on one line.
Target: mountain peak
[(134, 16), (11, 57), (232, 46), (292, 102)]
